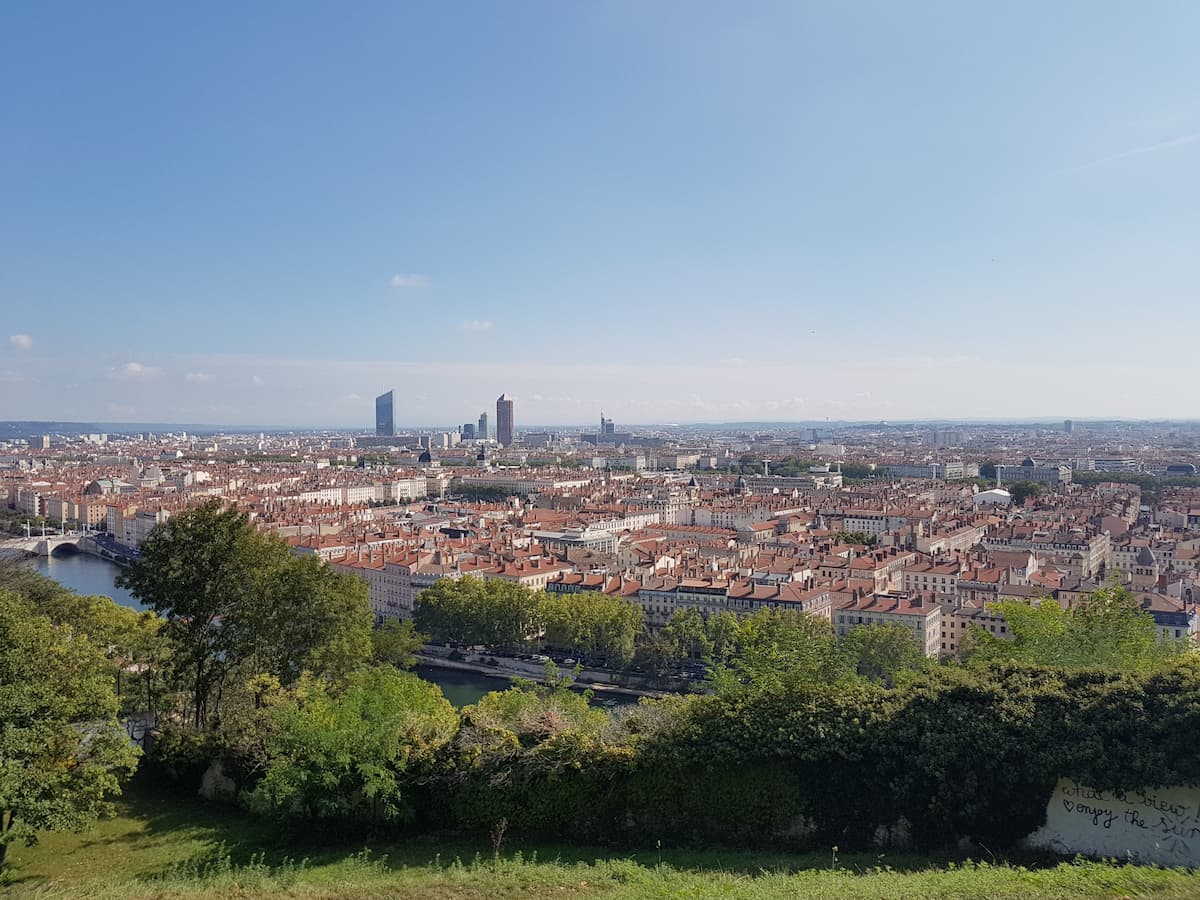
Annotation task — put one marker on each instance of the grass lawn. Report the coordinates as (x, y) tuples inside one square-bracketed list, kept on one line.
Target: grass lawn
[(162, 845)]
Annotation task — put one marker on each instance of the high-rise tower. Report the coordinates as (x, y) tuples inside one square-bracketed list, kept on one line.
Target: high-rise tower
[(385, 421), (504, 421), (481, 431)]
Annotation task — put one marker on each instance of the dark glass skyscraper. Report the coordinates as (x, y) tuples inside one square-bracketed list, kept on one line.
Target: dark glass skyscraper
[(481, 430), (385, 421), (504, 421)]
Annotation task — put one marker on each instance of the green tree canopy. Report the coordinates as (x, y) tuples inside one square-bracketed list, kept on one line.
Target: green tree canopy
[(1024, 490), (308, 617), (531, 712), (485, 493), (396, 642), (775, 648), (341, 752), (233, 597), (131, 640), (62, 753), (685, 636), (1106, 630), (853, 537), (503, 614), (882, 652), (857, 471), (595, 626)]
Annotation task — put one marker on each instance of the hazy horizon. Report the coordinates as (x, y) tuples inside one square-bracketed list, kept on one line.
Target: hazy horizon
[(405, 427)]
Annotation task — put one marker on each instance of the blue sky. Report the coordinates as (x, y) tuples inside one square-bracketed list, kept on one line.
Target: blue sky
[(672, 211)]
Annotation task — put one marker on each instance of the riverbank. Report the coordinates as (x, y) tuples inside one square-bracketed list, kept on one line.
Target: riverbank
[(514, 668)]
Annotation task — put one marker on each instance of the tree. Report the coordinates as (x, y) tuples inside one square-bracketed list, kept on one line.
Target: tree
[(506, 614), (198, 570), (1025, 490), (790, 466), (485, 493), (685, 636), (472, 611), (62, 753), (592, 625), (132, 640), (396, 642), (531, 712), (1107, 630), (853, 537), (881, 652), (747, 464), (778, 648), (653, 656), (341, 753), (723, 629), (307, 616), (857, 471), (233, 597)]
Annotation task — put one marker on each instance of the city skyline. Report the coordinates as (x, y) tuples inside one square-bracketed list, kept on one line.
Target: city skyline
[(784, 212), (446, 397)]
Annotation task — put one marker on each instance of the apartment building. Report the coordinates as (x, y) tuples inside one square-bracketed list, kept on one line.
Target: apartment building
[(1091, 554), (1051, 476), (939, 579), (923, 618), (959, 618)]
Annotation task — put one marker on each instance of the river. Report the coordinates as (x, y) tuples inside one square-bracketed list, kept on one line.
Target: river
[(88, 574), (462, 688)]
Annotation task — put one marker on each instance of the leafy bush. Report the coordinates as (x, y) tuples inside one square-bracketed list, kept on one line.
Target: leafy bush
[(342, 753)]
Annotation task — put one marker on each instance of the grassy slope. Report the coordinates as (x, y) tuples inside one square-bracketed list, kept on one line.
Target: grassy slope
[(165, 846)]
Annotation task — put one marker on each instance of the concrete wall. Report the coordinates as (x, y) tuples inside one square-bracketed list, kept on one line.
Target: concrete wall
[(1156, 826)]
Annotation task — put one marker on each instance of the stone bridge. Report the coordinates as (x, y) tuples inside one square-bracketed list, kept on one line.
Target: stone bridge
[(45, 546)]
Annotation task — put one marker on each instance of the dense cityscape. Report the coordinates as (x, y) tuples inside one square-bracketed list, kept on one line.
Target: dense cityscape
[(920, 525)]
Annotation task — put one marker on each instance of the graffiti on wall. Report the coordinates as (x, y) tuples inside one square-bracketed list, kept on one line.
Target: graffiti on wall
[(1160, 826)]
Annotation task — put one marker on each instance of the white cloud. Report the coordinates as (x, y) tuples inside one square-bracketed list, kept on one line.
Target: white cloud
[(11, 378), (257, 381), (1180, 141), (353, 398), (476, 325), (738, 362), (409, 281), (20, 341), (120, 409), (134, 371), (197, 377), (936, 362)]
